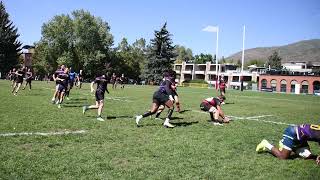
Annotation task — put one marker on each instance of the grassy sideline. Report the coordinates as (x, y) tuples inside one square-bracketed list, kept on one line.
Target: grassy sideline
[(117, 149)]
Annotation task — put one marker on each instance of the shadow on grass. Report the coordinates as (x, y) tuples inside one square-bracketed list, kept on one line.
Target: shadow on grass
[(114, 117), (183, 111), (230, 103), (184, 123), (78, 99), (69, 106)]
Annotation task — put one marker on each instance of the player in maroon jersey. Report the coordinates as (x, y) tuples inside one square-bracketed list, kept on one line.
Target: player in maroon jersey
[(213, 106)]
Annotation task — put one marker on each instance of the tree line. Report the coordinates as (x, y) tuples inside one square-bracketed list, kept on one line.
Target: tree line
[(84, 42)]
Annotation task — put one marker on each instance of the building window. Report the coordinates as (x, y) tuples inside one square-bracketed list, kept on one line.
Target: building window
[(263, 83), (274, 85), (304, 87), (283, 87), (293, 86)]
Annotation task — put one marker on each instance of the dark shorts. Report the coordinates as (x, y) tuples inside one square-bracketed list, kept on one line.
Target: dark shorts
[(160, 98), (205, 106), (223, 90), (99, 95), (71, 83), (28, 80), (19, 80), (61, 88)]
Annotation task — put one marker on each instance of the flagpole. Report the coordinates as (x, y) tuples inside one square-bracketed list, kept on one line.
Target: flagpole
[(243, 39), (217, 45)]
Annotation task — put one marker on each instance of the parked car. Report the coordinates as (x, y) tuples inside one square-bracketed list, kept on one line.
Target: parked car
[(316, 92)]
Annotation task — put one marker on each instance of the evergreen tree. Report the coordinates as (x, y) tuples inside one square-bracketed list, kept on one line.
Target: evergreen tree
[(9, 45), (274, 61), (160, 55)]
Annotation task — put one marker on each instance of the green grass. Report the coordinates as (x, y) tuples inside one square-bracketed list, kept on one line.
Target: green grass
[(117, 149)]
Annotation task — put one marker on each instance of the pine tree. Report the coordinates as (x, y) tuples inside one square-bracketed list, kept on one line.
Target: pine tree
[(160, 55), (9, 45), (274, 61)]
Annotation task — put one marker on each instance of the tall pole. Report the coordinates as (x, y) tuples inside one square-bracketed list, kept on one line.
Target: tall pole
[(243, 39), (217, 45), (242, 63)]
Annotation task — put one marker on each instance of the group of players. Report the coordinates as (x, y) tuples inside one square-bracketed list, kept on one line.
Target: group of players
[(295, 138), (16, 76)]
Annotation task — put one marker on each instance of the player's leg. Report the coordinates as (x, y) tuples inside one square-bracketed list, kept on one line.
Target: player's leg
[(18, 85), (169, 105), (159, 111), (100, 107), (153, 110), (177, 102), (55, 94), (287, 143)]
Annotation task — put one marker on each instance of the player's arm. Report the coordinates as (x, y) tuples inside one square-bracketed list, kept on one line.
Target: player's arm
[(91, 85), (168, 90), (221, 113), (107, 90)]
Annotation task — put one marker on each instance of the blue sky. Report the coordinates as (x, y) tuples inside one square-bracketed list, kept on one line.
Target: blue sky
[(268, 22)]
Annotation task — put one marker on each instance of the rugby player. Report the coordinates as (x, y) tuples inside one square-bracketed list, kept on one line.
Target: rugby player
[(163, 96), (54, 76), (102, 87), (294, 141), (18, 80), (213, 106), (28, 79)]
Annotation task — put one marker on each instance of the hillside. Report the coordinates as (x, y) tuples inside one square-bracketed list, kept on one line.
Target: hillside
[(302, 51)]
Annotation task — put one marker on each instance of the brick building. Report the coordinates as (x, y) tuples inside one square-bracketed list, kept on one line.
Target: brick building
[(307, 84)]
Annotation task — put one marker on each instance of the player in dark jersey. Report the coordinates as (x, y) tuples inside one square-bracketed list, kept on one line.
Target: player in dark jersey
[(122, 80), (102, 87), (28, 79), (163, 96), (18, 80), (72, 77), (13, 76), (213, 106), (295, 139), (54, 76), (62, 79), (175, 96), (114, 81)]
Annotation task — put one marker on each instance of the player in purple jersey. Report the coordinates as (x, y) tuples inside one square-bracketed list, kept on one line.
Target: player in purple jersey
[(18, 80), (62, 79), (102, 87), (163, 96), (54, 76), (28, 79), (295, 139)]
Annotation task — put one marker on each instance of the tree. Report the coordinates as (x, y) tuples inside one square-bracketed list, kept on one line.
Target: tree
[(203, 58), (184, 54), (9, 44), (80, 40), (274, 61), (160, 55)]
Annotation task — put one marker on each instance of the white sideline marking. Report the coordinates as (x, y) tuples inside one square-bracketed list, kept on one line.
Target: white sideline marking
[(252, 118), (43, 134)]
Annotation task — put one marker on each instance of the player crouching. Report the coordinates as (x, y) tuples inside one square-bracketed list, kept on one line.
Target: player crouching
[(213, 106), (295, 139)]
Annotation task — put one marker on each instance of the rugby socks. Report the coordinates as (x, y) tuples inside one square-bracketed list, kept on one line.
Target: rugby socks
[(211, 116), (170, 113), (269, 146), (147, 114), (158, 114)]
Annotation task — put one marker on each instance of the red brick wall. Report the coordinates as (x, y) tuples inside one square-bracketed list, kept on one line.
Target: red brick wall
[(299, 79)]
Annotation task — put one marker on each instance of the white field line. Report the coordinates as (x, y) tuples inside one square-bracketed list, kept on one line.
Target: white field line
[(43, 134), (252, 118)]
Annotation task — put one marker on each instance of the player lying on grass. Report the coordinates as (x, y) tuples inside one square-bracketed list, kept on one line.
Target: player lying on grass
[(102, 87), (213, 106), (294, 141), (163, 96)]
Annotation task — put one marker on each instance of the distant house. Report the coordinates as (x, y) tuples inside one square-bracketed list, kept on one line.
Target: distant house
[(27, 52)]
